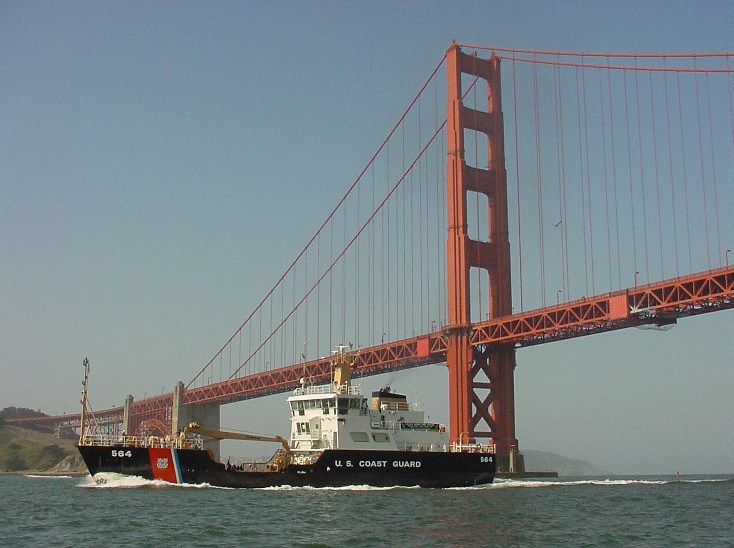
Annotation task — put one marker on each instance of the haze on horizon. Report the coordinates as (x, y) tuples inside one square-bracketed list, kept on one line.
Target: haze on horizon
[(161, 164)]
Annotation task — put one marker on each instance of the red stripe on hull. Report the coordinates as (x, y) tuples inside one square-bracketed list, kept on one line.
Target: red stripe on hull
[(162, 464)]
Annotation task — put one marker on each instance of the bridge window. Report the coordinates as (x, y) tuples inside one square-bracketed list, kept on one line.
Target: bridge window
[(359, 436)]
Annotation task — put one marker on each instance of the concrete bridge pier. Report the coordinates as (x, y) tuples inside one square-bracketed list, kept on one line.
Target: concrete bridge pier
[(205, 414), (127, 428), (511, 463)]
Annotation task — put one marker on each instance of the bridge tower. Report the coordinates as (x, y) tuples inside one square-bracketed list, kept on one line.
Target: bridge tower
[(481, 379)]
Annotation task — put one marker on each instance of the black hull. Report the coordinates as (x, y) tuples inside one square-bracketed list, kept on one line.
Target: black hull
[(334, 468)]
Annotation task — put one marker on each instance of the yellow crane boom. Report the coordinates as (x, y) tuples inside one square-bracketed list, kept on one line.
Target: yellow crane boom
[(196, 428)]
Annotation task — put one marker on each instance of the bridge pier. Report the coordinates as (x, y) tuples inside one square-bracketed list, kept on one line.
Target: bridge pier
[(511, 463), (127, 416), (206, 414)]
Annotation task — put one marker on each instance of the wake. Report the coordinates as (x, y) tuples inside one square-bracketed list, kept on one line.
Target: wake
[(608, 482), (110, 480)]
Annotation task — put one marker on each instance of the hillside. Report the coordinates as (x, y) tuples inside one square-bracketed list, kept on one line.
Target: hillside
[(26, 451), (543, 461)]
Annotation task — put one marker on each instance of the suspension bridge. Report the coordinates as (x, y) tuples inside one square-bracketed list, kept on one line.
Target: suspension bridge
[(522, 197)]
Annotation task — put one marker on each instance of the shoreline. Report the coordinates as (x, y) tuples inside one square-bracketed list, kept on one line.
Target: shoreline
[(73, 474)]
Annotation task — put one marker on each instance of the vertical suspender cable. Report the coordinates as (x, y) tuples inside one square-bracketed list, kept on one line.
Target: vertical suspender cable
[(420, 225), (331, 342), (713, 170), (386, 288), (564, 202), (703, 176), (271, 346), (606, 178), (582, 186), (357, 273), (397, 241), (344, 282), (539, 176), (629, 172), (402, 255), (614, 177), (686, 210), (642, 176), (371, 268), (428, 269), (658, 200), (559, 155), (295, 327), (670, 173), (588, 183), (305, 307)]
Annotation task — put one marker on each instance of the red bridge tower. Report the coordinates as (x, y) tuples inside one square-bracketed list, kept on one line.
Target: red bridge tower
[(481, 378)]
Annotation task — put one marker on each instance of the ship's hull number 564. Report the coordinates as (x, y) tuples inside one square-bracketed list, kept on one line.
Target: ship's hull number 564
[(121, 453)]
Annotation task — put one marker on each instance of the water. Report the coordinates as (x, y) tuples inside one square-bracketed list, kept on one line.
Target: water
[(642, 511)]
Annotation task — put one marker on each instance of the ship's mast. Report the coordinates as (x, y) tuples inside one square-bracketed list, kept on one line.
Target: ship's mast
[(341, 375), (85, 363)]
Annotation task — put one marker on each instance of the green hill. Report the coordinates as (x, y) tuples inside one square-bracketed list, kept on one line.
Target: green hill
[(542, 460), (28, 451)]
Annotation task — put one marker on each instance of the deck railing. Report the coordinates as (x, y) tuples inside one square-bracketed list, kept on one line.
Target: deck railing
[(166, 442)]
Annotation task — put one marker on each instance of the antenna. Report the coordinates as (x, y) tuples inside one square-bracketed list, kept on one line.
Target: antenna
[(82, 432)]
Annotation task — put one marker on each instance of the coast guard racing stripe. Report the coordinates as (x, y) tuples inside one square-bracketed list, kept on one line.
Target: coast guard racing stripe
[(164, 463)]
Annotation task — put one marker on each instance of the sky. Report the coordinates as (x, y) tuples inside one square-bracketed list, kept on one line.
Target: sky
[(162, 163)]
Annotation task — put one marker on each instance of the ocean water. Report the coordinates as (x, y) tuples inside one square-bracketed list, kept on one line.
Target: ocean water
[(639, 511)]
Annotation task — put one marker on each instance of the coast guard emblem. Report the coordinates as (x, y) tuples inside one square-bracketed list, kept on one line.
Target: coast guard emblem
[(162, 463)]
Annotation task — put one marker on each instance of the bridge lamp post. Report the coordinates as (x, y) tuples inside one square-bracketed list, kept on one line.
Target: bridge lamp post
[(727, 256), (636, 273), (558, 297)]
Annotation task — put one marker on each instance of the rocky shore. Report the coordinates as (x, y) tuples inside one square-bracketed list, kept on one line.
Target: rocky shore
[(29, 452)]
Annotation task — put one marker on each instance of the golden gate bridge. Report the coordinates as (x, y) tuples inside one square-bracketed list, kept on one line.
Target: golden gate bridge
[(523, 197)]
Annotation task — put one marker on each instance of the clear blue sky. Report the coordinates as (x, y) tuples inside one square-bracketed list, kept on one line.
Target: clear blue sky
[(157, 159)]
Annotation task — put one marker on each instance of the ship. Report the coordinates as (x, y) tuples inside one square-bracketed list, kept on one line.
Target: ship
[(338, 438)]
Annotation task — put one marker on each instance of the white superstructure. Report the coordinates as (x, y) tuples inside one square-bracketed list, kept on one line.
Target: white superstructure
[(337, 416)]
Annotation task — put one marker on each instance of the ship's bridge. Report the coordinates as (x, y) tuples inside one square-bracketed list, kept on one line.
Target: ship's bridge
[(337, 416), (321, 399)]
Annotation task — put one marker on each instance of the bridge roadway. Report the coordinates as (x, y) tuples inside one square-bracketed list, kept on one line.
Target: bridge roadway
[(658, 303)]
